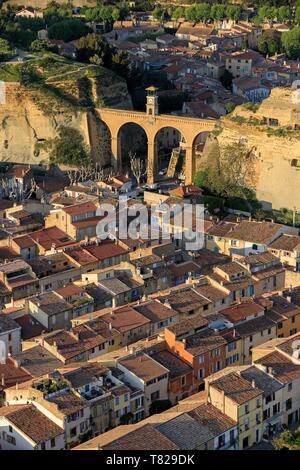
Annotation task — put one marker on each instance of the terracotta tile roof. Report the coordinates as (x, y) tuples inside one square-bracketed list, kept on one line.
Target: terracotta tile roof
[(144, 367), (216, 421), (37, 361), (236, 388), (174, 364), (51, 236), (80, 255), (50, 303), (30, 327), (155, 311), (67, 402), (34, 424), (256, 232), (280, 367), (106, 249), (82, 208), (254, 326), (24, 241), (125, 319), (143, 438), (241, 311), (286, 243), (202, 342), (190, 325), (91, 221), (12, 374)]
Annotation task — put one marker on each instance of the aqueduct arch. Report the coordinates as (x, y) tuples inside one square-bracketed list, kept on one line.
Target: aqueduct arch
[(152, 123)]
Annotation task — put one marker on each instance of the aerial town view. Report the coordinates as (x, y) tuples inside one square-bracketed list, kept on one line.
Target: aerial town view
[(149, 228)]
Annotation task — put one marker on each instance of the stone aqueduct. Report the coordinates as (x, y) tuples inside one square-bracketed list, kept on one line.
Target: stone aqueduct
[(152, 122)]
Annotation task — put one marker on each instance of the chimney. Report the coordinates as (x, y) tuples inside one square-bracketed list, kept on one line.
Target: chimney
[(253, 384), (233, 333), (2, 380), (110, 326)]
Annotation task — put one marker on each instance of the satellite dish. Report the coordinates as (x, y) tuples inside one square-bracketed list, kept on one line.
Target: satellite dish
[(2, 352)]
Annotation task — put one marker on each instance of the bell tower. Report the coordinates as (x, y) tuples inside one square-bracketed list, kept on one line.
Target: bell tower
[(152, 101)]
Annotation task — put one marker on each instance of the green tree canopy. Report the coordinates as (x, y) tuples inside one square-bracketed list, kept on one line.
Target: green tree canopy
[(68, 30), (269, 42), (291, 43)]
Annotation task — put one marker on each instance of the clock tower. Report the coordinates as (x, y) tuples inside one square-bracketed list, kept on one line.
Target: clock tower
[(152, 101)]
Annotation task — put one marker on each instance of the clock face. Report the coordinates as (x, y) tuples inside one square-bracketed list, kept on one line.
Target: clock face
[(150, 100)]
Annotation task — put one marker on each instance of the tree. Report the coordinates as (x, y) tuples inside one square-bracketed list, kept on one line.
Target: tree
[(94, 48), (5, 50), (233, 173), (137, 167), (39, 45), (178, 13), (226, 79), (68, 147), (233, 12), (291, 43), (269, 42), (158, 13), (68, 30), (297, 15), (116, 14), (288, 440), (218, 12), (284, 13)]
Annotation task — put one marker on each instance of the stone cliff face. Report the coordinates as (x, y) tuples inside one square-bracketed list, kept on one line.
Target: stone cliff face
[(273, 131), (29, 117), (278, 177)]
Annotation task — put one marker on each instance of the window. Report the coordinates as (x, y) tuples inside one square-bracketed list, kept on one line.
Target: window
[(258, 403), (43, 446), (11, 440), (10, 429), (232, 346), (279, 325), (201, 359), (276, 408), (293, 331), (250, 338), (117, 400), (155, 396), (221, 440), (246, 409), (126, 397), (290, 386), (288, 404), (254, 247), (52, 442), (231, 436), (218, 352), (9, 337), (201, 374), (293, 319)]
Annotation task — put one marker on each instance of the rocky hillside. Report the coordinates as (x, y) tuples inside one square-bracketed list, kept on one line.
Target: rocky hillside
[(42, 94), (272, 130)]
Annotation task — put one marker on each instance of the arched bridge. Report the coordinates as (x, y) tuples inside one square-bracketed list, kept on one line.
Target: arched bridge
[(152, 123)]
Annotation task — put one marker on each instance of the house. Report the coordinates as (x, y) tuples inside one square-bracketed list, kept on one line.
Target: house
[(78, 221), (251, 88), (241, 400), (83, 342), (280, 360), (54, 271), (181, 379), (143, 372), (117, 184), (24, 427), (161, 315), (51, 310), (197, 32), (283, 312), (199, 109), (129, 322), (29, 12), (204, 427), (19, 279), (287, 248), (244, 237), (36, 361), (272, 398), (10, 338), (240, 63)]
